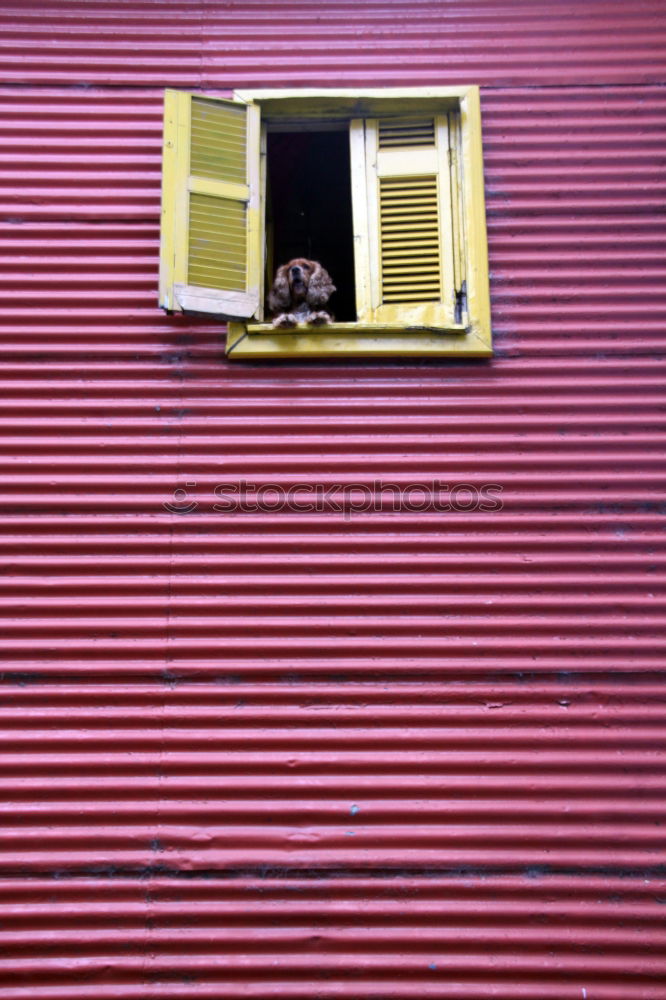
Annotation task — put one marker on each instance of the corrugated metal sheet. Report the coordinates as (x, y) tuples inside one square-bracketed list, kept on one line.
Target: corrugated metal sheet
[(302, 755), (377, 42), (95, 155)]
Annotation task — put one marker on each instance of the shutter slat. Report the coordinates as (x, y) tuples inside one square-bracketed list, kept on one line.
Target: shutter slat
[(409, 212), (407, 132), (416, 248), (211, 226), (411, 265), (218, 226), (215, 225), (219, 141)]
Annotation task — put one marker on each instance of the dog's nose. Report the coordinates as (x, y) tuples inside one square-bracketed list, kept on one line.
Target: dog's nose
[(295, 271)]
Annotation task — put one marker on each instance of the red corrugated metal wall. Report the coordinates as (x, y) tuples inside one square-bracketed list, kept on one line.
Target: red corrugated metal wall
[(302, 755)]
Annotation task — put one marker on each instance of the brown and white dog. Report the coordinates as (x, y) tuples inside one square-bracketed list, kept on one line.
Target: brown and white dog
[(300, 289)]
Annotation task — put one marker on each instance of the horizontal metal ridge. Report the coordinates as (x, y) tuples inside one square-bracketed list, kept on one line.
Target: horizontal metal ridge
[(281, 754)]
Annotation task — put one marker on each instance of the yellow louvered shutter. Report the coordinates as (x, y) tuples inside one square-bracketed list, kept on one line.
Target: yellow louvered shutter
[(410, 251), (210, 256), (403, 224)]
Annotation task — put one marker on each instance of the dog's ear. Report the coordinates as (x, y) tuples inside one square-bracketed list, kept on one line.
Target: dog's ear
[(320, 287), (279, 297)]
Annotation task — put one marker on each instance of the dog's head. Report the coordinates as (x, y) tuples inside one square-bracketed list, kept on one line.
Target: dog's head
[(300, 280)]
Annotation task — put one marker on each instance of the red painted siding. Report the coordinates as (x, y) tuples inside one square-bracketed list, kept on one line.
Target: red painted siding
[(377, 42), (298, 755)]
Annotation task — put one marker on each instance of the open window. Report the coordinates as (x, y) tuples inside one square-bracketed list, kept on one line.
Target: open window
[(385, 188)]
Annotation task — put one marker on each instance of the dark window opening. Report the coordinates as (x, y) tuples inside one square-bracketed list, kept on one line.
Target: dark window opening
[(309, 209)]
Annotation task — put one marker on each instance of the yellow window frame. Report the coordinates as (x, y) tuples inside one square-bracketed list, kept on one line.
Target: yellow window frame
[(382, 330)]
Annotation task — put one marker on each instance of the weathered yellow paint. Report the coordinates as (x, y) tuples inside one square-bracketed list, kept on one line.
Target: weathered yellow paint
[(218, 189), (168, 215), (463, 250), (406, 132), (447, 233), (255, 216), (362, 243), (264, 241), (409, 207), (457, 222), (347, 103), (474, 213), (353, 340), (175, 171), (204, 254), (406, 162), (407, 234), (259, 329), (180, 192)]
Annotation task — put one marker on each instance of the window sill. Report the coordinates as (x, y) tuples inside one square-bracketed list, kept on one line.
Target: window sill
[(353, 340)]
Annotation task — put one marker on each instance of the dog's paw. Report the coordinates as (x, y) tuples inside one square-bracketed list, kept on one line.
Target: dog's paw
[(285, 321), (318, 318)]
